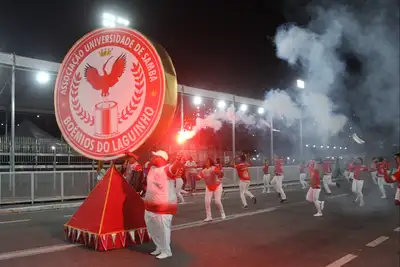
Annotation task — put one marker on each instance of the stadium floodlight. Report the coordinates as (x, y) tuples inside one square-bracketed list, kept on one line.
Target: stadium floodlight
[(243, 107), (42, 77), (300, 84), (261, 110), (197, 100), (221, 104), (111, 21)]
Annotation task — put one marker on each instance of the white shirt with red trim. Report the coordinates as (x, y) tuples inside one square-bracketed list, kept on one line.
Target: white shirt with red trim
[(161, 196)]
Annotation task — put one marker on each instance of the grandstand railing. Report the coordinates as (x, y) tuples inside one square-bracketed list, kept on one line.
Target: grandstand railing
[(31, 187)]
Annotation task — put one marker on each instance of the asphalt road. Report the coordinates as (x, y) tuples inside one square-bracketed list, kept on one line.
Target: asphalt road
[(268, 234)]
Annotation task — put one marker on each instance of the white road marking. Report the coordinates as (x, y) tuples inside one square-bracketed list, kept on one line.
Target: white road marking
[(341, 195), (16, 221), (218, 220), (35, 251), (397, 229), (377, 241), (342, 261)]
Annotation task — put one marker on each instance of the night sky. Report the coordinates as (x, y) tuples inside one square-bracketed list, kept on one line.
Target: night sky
[(218, 45)]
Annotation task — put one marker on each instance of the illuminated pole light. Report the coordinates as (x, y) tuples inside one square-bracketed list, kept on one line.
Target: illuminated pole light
[(42, 77), (313, 146), (53, 148), (243, 107), (340, 147), (111, 21), (221, 104), (345, 148), (334, 147), (322, 146), (261, 110), (300, 84), (327, 146), (306, 145), (197, 100)]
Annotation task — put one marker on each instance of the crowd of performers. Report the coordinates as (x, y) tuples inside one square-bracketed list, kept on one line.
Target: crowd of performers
[(162, 181)]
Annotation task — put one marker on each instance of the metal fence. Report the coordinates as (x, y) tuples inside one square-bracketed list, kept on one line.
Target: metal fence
[(31, 187)]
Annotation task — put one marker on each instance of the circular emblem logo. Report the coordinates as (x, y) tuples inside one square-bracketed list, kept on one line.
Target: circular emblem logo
[(109, 93)]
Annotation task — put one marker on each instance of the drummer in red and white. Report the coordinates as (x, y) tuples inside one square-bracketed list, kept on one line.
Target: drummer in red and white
[(394, 176), (220, 168), (315, 190), (278, 178), (302, 177), (358, 182), (327, 178), (212, 175), (242, 169), (381, 168), (266, 178)]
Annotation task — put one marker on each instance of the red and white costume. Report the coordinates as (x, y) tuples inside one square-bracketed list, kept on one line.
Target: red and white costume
[(178, 185), (242, 169), (212, 180), (160, 205), (314, 192), (392, 179), (350, 171), (327, 178), (302, 177), (358, 183), (373, 171), (380, 175), (278, 178), (266, 179)]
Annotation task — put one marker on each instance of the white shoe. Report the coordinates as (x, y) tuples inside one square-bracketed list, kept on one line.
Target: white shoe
[(164, 255), (223, 216), (208, 219), (156, 252), (322, 205), (318, 214), (384, 197), (362, 204)]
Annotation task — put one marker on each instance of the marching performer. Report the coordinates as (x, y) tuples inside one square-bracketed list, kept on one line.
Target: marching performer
[(303, 176), (358, 182), (278, 178), (179, 184), (373, 171), (160, 201), (381, 168), (327, 178), (211, 176), (393, 177), (315, 190), (266, 178), (220, 167), (387, 166), (350, 170), (242, 169)]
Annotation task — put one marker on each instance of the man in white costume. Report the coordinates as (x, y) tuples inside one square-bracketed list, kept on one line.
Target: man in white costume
[(160, 201)]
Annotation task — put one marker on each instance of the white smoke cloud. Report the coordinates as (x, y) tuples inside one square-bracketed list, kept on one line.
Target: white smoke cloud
[(367, 31)]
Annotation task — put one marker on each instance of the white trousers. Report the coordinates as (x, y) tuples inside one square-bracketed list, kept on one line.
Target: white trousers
[(313, 197), (266, 180), (217, 194), (277, 183), (159, 228), (178, 188), (397, 196), (327, 181), (374, 177), (357, 187), (244, 191), (302, 180), (381, 183)]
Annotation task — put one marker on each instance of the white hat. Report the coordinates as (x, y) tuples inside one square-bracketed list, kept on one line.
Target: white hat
[(161, 153)]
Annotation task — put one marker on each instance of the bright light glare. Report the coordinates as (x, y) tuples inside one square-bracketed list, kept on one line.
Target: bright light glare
[(243, 107), (300, 84), (221, 104), (345, 148), (183, 136), (42, 77), (261, 110), (306, 145), (313, 146), (327, 146), (111, 21), (53, 148), (197, 100), (322, 146)]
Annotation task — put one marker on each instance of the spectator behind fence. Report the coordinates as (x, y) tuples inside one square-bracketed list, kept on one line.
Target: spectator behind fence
[(191, 173)]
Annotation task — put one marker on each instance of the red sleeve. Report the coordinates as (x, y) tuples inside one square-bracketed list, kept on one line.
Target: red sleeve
[(397, 176), (169, 173), (201, 174)]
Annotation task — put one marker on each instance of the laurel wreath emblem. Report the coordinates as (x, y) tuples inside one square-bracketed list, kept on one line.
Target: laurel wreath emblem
[(88, 118)]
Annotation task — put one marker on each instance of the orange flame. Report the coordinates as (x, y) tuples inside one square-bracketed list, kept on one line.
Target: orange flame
[(183, 136)]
